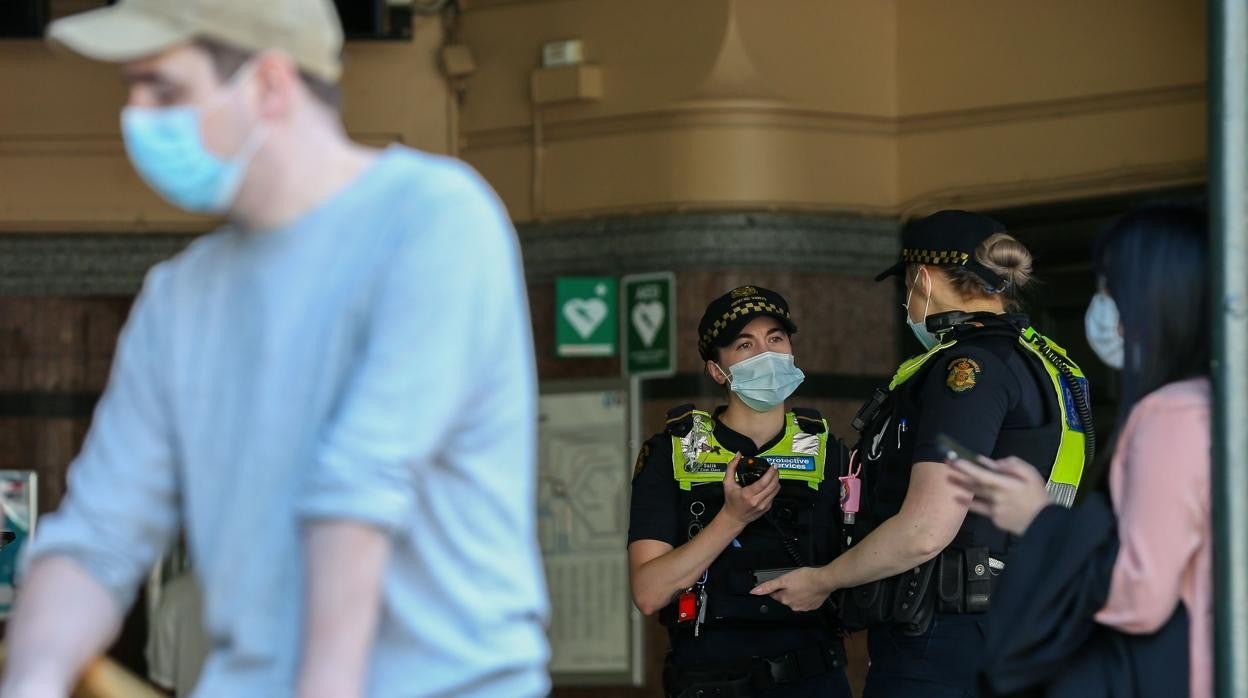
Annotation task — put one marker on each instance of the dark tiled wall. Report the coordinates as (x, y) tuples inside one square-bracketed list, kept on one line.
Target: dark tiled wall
[(54, 359)]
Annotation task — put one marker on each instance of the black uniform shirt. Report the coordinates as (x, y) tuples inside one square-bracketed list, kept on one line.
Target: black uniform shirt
[(971, 392), (654, 516)]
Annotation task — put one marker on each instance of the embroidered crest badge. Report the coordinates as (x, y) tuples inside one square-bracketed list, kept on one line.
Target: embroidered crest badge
[(963, 374), (641, 460)]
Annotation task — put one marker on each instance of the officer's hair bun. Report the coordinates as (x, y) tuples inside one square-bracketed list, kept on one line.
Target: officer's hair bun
[(1004, 256), (1007, 258)]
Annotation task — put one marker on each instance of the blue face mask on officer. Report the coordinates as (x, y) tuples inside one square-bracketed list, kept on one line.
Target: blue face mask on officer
[(919, 328), (166, 147), (764, 381)]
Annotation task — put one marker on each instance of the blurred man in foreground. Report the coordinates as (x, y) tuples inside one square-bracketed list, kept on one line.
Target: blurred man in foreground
[(315, 391)]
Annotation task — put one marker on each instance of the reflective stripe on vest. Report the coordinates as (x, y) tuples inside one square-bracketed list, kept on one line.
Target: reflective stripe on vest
[(1068, 466), (698, 458), (912, 366)]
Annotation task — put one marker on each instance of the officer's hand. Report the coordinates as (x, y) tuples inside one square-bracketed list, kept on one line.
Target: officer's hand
[(745, 504), (1009, 491), (803, 589)]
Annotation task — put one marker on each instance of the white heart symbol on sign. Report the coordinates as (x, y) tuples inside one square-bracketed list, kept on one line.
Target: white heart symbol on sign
[(647, 319), (585, 315)]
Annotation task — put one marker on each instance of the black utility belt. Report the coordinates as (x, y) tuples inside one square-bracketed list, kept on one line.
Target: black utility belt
[(959, 580), (727, 608)]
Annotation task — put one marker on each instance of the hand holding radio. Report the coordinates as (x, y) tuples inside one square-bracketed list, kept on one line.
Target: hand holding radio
[(751, 469), (747, 502)]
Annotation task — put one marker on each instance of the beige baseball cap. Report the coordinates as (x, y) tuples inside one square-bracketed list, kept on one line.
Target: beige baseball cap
[(307, 30)]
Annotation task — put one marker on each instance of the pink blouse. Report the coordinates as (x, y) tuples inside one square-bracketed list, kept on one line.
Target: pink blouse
[(1159, 481)]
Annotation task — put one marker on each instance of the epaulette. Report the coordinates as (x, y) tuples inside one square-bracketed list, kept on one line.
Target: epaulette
[(809, 420), (680, 420)]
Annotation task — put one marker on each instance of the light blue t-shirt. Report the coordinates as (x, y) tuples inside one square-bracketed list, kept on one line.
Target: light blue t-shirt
[(372, 361)]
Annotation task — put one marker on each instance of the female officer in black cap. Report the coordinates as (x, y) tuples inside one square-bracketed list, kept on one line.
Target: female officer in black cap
[(702, 534), (920, 571)]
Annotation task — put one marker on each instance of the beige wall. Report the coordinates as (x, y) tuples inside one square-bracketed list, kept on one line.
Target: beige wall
[(1014, 102), (708, 104), (883, 107)]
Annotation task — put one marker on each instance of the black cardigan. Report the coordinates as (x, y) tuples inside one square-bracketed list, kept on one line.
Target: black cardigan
[(1041, 636)]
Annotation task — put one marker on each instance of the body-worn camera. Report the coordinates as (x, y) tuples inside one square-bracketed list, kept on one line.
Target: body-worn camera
[(749, 470)]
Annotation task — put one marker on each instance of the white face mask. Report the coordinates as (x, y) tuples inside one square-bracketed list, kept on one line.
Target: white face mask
[(1101, 324), (925, 337)]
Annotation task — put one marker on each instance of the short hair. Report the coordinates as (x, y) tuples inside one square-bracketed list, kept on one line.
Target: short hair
[(227, 59)]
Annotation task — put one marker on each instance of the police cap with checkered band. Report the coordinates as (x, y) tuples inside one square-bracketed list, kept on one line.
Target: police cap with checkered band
[(727, 315), (947, 238)]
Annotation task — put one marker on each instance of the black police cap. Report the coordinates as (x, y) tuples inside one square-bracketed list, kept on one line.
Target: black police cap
[(947, 238), (727, 315)]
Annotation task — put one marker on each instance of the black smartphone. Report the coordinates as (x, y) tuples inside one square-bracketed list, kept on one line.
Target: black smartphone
[(954, 450), (761, 576)]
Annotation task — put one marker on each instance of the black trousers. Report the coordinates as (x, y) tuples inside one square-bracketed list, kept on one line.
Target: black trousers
[(832, 684), (941, 663)]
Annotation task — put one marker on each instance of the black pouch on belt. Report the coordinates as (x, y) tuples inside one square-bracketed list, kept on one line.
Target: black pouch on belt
[(978, 580), (950, 575), (864, 606), (914, 604)]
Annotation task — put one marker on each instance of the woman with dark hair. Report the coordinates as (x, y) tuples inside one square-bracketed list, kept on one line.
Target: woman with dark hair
[(1125, 611)]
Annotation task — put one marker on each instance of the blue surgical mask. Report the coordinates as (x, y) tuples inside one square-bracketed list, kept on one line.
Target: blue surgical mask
[(1101, 324), (165, 147), (924, 335), (765, 381)]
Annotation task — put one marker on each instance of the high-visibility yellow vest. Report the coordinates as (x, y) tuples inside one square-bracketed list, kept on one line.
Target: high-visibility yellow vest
[(1069, 462), (697, 457)]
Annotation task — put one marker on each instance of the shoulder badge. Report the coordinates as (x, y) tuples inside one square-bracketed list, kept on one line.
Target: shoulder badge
[(963, 374), (642, 456), (680, 420), (809, 420)]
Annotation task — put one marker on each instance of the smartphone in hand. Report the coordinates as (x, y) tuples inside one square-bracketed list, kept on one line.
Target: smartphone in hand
[(761, 576), (955, 451)]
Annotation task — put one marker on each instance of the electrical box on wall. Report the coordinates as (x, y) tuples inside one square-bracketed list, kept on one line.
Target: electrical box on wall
[(457, 60), (575, 83)]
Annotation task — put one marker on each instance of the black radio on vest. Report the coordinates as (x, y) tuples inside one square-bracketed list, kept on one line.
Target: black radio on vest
[(751, 470)]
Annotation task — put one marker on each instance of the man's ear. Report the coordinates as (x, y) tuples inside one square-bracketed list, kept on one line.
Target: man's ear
[(278, 83)]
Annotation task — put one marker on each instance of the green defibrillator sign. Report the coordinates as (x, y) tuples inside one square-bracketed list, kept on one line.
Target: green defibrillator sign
[(649, 324), (585, 316)]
